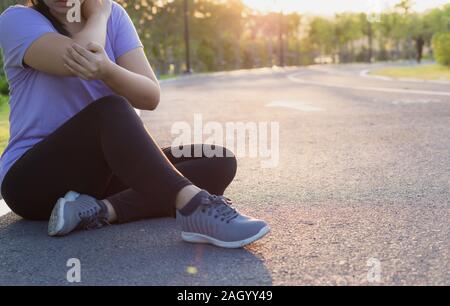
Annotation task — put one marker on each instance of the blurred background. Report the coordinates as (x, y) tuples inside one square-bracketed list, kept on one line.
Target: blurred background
[(364, 154), (185, 36), (242, 34)]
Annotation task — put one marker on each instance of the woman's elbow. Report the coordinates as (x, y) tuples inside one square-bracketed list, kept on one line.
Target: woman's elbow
[(148, 99), (154, 105), (152, 101)]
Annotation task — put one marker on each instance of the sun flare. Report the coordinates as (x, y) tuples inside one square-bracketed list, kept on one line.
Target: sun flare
[(327, 7)]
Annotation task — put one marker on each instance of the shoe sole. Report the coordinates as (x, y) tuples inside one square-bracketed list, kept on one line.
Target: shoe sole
[(199, 238), (56, 222)]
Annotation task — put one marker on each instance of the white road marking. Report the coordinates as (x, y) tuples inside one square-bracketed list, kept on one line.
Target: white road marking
[(408, 101), (413, 101), (365, 73), (4, 209), (297, 105), (327, 70), (293, 78)]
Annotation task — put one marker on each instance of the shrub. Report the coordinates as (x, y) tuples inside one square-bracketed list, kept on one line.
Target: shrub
[(4, 90), (441, 48), (3, 104), (1, 64), (4, 87)]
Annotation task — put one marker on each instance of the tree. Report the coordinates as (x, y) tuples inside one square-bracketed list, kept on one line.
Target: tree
[(367, 30), (321, 35), (441, 45), (348, 29), (4, 4)]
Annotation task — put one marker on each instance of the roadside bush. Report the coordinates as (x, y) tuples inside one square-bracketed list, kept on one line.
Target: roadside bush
[(1, 64), (4, 90), (441, 48), (3, 101)]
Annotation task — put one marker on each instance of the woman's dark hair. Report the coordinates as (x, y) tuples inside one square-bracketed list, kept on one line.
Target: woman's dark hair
[(41, 7)]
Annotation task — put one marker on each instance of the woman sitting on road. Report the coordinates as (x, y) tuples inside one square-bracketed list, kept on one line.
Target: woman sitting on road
[(79, 155)]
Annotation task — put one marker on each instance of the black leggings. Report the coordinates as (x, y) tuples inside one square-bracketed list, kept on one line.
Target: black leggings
[(105, 151)]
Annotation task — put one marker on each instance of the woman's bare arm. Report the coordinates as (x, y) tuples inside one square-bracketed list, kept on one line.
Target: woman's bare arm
[(132, 77), (46, 53)]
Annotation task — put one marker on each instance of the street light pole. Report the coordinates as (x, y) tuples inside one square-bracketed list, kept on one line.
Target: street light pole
[(280, 35), (370, 38), (187, 37), (281, 40)]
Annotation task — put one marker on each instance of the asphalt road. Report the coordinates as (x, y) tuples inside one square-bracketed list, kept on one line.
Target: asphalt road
[(361, 193)]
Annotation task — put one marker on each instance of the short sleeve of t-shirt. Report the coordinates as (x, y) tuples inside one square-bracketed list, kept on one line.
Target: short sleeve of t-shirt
[(126, 37), (19, 28)]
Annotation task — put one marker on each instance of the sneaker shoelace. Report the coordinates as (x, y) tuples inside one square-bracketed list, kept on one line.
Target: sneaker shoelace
[(221, 207), (92, 218)]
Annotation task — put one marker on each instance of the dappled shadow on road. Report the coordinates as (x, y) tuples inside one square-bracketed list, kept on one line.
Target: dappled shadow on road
[(142, 253)]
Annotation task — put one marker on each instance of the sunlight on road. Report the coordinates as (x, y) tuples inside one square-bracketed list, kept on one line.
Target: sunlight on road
[(295, 78), (4, 209), (414, 101), (192, 270), (297, 105)]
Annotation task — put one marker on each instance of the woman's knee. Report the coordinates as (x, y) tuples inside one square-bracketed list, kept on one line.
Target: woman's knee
[(112, 104), (26, 210), (226, 163), (32, 215), (231, 161), (224, 168), (113, 110)]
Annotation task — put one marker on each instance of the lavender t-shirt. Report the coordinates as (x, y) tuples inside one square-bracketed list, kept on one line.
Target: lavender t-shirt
[(40, 102)]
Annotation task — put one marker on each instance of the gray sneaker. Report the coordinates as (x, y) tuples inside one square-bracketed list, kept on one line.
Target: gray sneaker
[(76, 211), (215, 221)]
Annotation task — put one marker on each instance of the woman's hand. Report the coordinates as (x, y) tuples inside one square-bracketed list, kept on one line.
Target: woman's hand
[(89, 64), (93, 7)]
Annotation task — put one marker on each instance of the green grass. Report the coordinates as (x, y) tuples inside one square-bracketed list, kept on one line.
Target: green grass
[(167, 76), (423, 72), (4, 122)]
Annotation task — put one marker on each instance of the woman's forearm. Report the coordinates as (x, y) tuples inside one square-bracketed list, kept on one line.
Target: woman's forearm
[(54, 46), (142, 92), (94, 30)]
